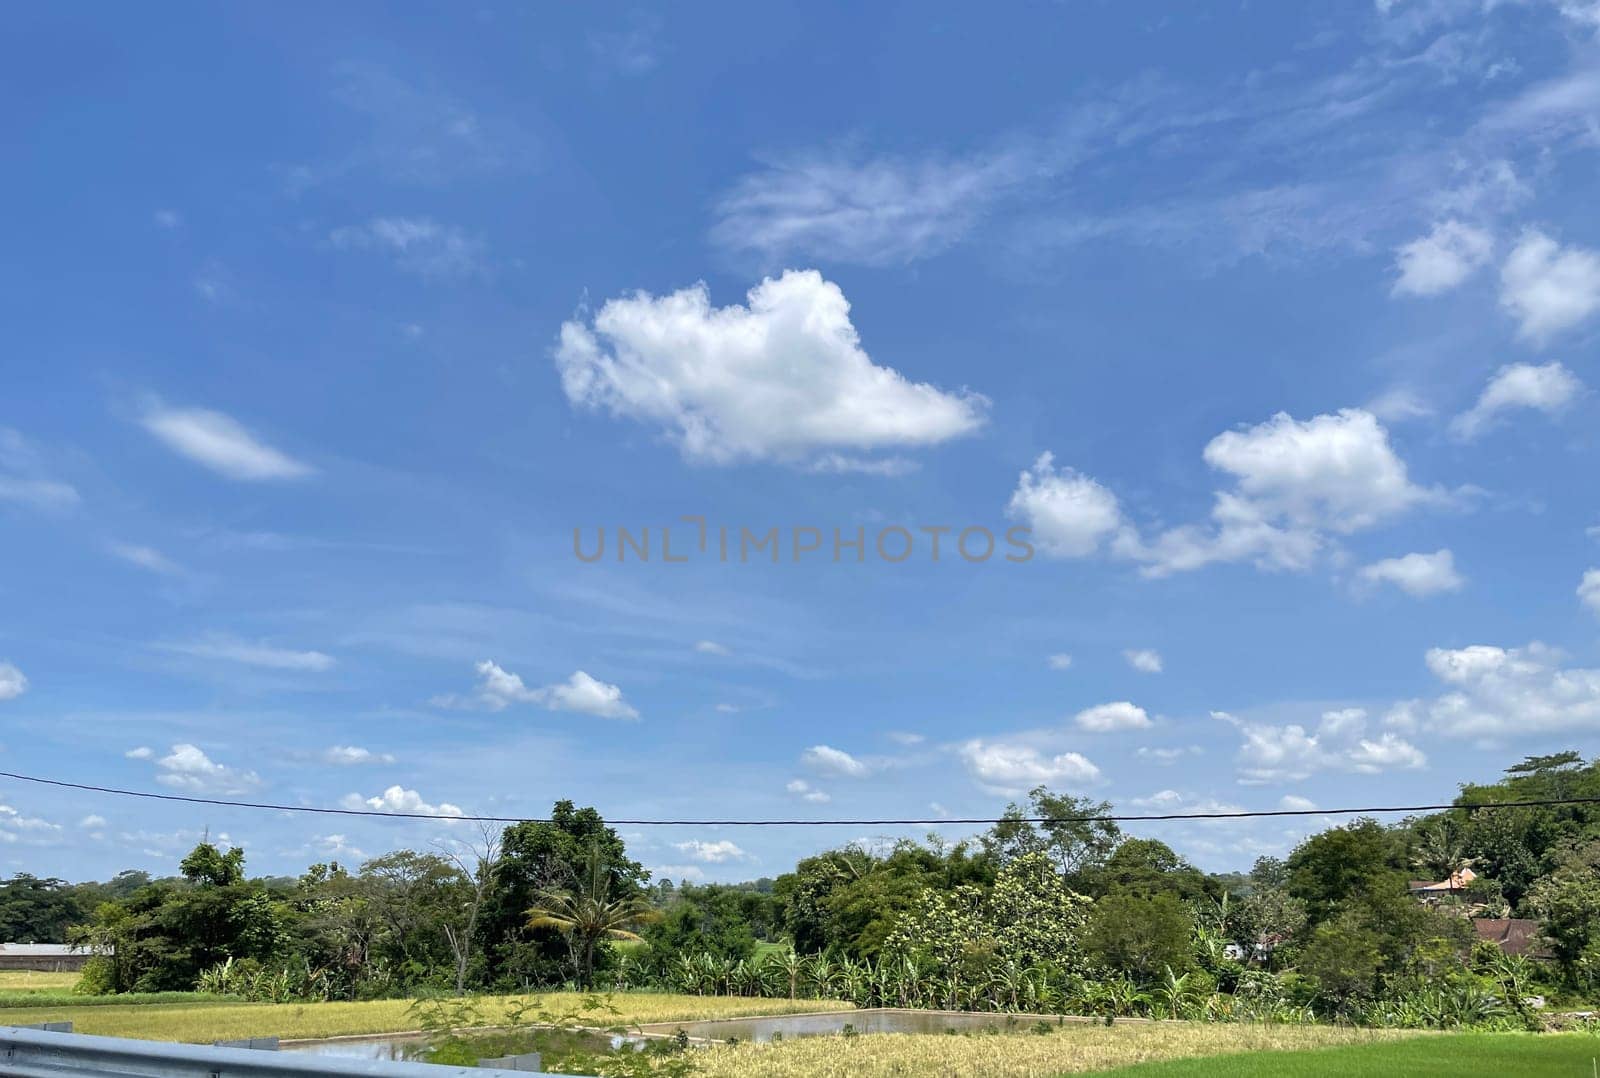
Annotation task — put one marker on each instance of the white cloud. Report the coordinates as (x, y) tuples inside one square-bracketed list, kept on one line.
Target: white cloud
[(417, 244), (1070, 514), (188, 768), (1546, 389), (262, 655), (1060, 661), (499, 688), (883, 211), (1115, 716), (714, 853), (711, 647), (144, 557), (1294, 482), (1507, 692), (1296, 803), (1014, 769), (218, 442), (1549, 288), (831, 761), (1588, 590), (783, 379), (1442, 259), (806, 792), (905, 737), (1290, 752), (15, 826), (1144, 660), (1416, 574), (13, 683), (1334, 471), (143, 752), (1167, 755), (92, 822), (399, 800), (352, 755)]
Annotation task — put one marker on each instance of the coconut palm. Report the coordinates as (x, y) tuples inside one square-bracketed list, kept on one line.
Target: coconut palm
[(589, 912)]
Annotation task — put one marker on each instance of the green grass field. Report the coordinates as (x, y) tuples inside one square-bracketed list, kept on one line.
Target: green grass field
[(1513, 1055), (15, 981)]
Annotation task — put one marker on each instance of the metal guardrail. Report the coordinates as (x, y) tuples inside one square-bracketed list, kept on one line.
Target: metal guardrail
[(33, 1053)]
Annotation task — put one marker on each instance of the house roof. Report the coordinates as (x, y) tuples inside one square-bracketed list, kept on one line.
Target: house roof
[(39, 950), (1515, 935), (1457, 882)]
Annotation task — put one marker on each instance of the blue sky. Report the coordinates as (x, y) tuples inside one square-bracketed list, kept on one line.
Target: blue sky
[(326, 329)]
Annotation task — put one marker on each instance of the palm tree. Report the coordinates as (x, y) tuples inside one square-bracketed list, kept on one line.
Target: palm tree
[(588, 912), (1440, 851)]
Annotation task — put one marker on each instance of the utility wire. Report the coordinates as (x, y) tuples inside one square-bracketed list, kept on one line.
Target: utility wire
[(151, 795)]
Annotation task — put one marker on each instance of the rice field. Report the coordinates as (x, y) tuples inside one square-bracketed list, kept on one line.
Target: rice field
[(1063, 1050), (1525, 1055), (204, 1022)]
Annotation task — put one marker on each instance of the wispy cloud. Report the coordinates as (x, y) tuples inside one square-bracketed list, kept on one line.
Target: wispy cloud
[(417, 245), (219, 442)]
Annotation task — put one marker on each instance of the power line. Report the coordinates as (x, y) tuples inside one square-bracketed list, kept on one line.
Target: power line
[(1370, 810)]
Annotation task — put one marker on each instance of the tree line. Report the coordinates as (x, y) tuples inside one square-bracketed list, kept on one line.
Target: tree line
[(1068, 915)]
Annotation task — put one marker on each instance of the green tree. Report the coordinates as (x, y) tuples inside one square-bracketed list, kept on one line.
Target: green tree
[(1567, 902), (589, 911), (1140, 935), (538, 854), (1342, 862), (1074, 832)]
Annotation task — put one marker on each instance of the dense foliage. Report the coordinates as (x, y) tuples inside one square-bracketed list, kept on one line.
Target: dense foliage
[(1069, 915)]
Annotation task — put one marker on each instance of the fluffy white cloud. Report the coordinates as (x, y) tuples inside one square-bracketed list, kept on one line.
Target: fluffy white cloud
[(1335, 471), (1547, 389), (1144, 660), (143, 752), (1416, 574), (189, 769), (1070, 514), (417, 244), (92, 822), (712, 852), (882, 211), (499, 688), (1505, 692), (1294, 482), (1296, 803), (218, 442), (1588, 592), (353, 755), (711, 647), (1290, 752), (271, 658), (13, 683), (1120, 715), (1549, 288), (1013, 769), (1442, 259), (784, 378), (831, 761), (399, 800), (1060, 661), (806, 792)]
